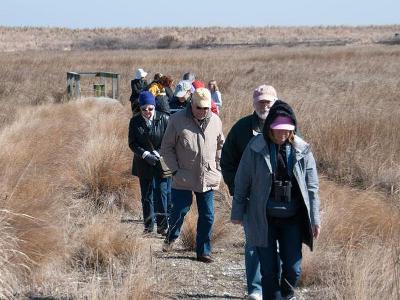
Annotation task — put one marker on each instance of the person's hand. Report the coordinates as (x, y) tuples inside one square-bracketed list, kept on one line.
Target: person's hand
[(237, 222), (151, 159), (316, 229)]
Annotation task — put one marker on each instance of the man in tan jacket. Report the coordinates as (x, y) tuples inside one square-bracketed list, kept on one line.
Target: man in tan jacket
[(191, 147)]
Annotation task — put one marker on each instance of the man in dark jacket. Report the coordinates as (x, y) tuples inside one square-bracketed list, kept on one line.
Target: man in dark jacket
[(146, 131), (182, 96), (137, 85), (239, 136), (162, 104)]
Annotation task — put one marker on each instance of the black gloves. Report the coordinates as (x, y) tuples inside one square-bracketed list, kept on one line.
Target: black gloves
[(151, 159)]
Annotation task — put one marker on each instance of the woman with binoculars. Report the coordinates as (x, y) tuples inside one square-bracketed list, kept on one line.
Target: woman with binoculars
[(276, 196)]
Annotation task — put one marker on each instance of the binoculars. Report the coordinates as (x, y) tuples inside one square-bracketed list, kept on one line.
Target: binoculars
[(283, 191)]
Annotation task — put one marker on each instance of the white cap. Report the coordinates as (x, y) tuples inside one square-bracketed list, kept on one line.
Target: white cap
[(140, 73)]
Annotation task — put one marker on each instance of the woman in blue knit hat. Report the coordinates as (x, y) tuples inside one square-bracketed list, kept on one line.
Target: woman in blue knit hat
[(146, 131)]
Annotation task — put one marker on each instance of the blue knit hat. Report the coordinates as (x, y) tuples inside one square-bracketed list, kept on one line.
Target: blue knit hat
[(146, 98)]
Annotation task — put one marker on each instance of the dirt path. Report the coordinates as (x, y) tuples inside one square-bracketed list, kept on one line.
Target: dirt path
[(190, 279), (186, 278)]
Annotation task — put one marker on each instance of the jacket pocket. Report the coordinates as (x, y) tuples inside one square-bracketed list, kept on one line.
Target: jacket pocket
[(212, 175), (183, 178)]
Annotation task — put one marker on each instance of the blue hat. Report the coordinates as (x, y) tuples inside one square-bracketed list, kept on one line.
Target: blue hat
[(146, 98)]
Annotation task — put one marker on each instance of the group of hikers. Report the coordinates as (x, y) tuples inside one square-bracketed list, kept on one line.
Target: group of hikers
[(180, 150)]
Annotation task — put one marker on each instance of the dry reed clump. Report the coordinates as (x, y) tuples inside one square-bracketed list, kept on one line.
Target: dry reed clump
[(31, 205), (100, 171), (104, 244), (105, 261), (13, 262), (357, 255), (105, 248)]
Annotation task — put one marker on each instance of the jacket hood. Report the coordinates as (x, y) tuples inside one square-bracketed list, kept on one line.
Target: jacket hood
[(280, 108), (301, 146)]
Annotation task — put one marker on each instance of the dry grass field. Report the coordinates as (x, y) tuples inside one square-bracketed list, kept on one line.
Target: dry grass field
[(64, 166), (64, 39)]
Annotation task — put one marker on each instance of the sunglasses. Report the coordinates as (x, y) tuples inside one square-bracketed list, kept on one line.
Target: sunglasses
[(147, 109), (202, 108)]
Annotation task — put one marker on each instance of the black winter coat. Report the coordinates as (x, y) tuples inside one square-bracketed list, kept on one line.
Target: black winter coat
[(236, 141), (137, 85), (169, 92), (139, 136), (162, 104), (175, 105)]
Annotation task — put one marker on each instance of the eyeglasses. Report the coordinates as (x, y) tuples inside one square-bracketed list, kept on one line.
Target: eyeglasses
[(202, 108), (147, 109)]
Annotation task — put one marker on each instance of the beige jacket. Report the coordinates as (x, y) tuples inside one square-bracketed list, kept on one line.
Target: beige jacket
[(192, 152)]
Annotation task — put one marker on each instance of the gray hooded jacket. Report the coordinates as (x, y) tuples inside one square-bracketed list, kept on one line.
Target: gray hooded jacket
[(253, 186)]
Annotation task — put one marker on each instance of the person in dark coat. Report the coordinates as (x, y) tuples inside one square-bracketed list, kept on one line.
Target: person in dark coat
[(146, 131), (162, 104), (182, 96), (137, 85), (276, 198), (238, 137)]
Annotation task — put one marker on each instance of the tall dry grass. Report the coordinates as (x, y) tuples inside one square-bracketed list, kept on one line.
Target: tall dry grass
[(30, 149), (58, 243), (101, 169), (357, 255)]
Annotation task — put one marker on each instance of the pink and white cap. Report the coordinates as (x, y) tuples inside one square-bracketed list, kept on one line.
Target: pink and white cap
[(264, 92), (282, 122)]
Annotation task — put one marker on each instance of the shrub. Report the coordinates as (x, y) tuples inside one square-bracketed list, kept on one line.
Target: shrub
[(168, 42)]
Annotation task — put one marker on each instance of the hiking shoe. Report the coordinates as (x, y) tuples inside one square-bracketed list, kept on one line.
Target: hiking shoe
[(162, 231), (205, 259), (167, 246), (255, 296), (147, 231)]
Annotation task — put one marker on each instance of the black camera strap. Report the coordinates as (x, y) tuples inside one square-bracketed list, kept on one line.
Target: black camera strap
[(288, 159)]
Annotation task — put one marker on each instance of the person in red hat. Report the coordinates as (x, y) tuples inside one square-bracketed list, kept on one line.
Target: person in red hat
[(215, 93)]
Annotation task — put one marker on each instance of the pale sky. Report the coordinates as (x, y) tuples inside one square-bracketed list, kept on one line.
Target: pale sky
[(154, 13)]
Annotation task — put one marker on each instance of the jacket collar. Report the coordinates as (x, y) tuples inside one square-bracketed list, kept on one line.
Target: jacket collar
[(258, 144), (157, 115), (189, 115), (255, 124)]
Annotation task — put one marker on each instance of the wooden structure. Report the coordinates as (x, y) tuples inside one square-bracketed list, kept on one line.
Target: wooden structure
[(99, 90)]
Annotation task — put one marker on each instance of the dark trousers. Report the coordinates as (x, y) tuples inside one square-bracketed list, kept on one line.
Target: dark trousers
[(276, 285), (181, 202), (154, 202)]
